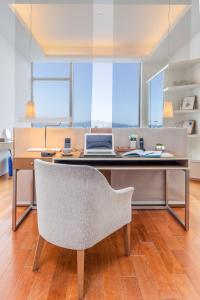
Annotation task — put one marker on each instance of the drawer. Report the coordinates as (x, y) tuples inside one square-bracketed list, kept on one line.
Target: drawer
[(26, 163)]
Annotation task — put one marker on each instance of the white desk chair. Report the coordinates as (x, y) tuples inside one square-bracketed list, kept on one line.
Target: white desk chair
[(77, 208)]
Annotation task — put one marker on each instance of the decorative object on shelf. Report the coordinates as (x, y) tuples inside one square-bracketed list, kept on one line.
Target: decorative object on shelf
[(133, 141), (160, 147), (188, 103), (168, 110), (189, 125)]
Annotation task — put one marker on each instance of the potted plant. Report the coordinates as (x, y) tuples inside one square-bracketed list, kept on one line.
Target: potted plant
[(133, 141)]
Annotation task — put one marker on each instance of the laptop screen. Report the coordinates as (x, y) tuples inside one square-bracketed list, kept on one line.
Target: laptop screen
[(99, 142)]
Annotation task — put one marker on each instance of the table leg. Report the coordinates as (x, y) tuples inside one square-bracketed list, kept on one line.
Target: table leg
[(185, 224), (16, 222), (166, 189), (14, 201), (187, 194)]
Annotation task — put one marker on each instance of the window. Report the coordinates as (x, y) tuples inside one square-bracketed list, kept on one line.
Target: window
[(82, 94), (102, 88), (126, 95), (51, 89), (100, 94), (155, 90)]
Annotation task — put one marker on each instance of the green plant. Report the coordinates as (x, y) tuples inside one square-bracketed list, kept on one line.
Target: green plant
[(133, 137)]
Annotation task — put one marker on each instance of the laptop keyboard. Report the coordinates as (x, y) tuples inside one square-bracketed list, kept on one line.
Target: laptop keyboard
[(100, 153)]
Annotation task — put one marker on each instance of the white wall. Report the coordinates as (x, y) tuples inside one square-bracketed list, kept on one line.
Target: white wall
[(14, 86), (7, 85), (22, 87), (7, 95)]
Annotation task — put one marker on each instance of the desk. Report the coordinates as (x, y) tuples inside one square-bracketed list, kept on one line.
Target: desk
[(26, 162)]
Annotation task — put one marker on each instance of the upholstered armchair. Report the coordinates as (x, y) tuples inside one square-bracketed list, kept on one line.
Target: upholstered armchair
[(77, 208)]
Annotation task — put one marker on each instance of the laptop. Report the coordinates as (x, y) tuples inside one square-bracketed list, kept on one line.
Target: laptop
[(99, 144)]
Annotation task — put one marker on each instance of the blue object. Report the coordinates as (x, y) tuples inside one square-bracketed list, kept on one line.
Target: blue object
[(10, 166)]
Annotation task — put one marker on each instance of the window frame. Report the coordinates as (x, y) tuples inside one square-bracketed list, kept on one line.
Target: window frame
[(65, 79)]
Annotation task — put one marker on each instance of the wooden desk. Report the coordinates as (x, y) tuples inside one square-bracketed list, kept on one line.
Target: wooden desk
[(26, 162)]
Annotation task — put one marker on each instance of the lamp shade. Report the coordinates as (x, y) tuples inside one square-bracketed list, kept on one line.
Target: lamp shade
[(168, 109), (30, 110)]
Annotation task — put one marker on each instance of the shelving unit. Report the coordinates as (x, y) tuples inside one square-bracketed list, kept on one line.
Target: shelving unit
[(184, 71)]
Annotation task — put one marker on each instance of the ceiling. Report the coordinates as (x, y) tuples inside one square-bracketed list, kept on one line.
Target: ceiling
[(79, 30)]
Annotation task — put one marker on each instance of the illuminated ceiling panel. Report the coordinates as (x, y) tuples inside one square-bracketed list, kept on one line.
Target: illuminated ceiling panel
[(79, 30)]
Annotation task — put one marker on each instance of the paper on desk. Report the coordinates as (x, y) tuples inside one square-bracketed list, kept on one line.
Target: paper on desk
[(167, 154), (43, 149)]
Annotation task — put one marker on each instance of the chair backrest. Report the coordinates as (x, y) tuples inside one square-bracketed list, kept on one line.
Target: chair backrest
[(69, 199)]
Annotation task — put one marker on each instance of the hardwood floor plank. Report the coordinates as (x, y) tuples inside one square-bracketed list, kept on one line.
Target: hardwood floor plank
[(22, 288), (94, 279), (146, 279), (165, 284), (185, 287), (59, 282), (170, 261), (43, 278), (131, 288), (13, 273)]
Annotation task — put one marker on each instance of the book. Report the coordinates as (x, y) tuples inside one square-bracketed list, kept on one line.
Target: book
[(142, 153)]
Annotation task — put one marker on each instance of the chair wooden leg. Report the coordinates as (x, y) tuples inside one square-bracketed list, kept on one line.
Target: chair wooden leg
[(127, 238), (38, 251), (80, 269)]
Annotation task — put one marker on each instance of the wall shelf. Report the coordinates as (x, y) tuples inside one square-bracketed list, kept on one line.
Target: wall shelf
[(186, 111), (193, 135), (182, 87)]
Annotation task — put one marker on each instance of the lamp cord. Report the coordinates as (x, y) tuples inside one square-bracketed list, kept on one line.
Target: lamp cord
[(168, 39), (30, 46)]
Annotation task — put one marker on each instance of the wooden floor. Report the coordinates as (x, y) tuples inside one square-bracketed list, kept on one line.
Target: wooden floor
[(164, 261)]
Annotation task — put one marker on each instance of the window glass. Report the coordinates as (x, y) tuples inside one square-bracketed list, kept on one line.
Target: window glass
[(82, 94), (51, 70), (126, 94), (102, 89), (156, 86), (51, 98)]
